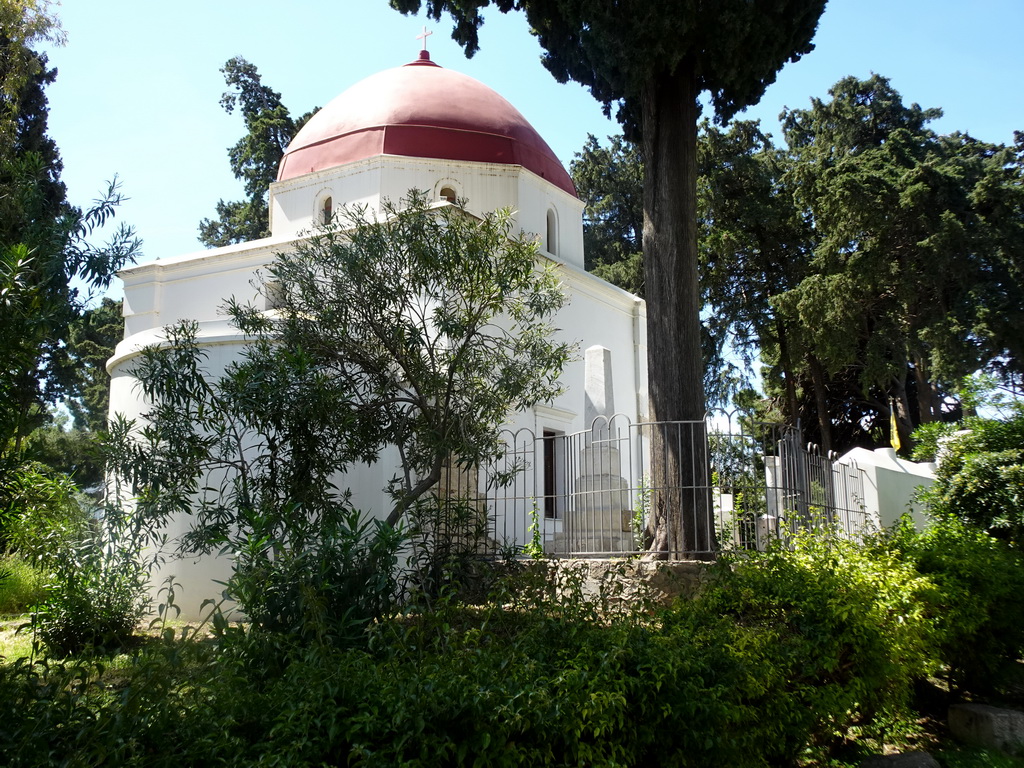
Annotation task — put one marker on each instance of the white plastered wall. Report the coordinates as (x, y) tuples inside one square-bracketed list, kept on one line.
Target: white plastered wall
[(891, 484), (294, 204), (196, 286)]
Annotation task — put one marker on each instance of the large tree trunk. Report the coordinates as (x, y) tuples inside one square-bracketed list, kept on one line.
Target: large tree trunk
[(681, 519), (904, 424), (821, 403), (788, 377), (928, 404)]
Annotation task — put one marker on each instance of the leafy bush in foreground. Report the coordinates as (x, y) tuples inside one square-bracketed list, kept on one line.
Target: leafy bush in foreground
[(844, 637), (784, 656), (980, 477), (98, 588), (976, 601)]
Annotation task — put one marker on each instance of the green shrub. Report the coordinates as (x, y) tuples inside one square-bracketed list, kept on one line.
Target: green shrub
[(838, 632), (783, 656), (98, 584), (328, 593), (980, 478), (91, 560), (977, 598), (507, 686), (39, 506), (448, 538)]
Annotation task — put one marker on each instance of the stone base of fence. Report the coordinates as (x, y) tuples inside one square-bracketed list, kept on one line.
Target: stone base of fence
[(618, 581)]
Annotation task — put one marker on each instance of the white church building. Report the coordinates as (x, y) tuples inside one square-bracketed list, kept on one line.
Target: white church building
[(430, 128)]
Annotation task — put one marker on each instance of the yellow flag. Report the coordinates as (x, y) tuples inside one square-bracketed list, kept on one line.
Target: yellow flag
[(894, 433)]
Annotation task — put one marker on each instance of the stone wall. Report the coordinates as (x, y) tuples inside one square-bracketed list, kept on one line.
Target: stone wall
[(619, 580)]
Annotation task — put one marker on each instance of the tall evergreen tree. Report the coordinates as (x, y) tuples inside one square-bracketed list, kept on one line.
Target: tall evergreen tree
[(915, 244), (91, 343), (610, 182), (652, 60), (255, 158), (867, 262), (754, 244), (44, 244)]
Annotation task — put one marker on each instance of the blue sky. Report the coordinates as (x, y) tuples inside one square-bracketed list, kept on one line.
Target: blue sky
[(139, 82)]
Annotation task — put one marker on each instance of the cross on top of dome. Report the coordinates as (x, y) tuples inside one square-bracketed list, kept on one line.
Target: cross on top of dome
[(423, 36)]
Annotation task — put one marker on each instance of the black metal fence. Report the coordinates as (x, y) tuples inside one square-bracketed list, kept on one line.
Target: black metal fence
[(718, 484)]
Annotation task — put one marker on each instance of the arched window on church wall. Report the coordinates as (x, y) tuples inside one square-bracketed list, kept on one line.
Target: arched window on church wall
[(327, 210), (551, 239), (449, 194)]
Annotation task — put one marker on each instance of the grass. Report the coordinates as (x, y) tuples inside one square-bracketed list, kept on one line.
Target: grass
[(15, 642), (21, 585)]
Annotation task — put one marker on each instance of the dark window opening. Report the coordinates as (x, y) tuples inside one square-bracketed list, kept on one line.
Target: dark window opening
[(552, 474)]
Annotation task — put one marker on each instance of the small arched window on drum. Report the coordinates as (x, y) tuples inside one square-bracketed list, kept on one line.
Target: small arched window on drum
[(327, 210), (551, 238)]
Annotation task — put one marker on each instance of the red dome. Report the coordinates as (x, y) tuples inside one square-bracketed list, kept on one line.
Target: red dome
[(420, 110)]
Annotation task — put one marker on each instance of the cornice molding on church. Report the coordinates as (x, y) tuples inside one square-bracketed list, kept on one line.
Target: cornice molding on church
[(209, 333), (554, 412), (598, 288), (227, 259)]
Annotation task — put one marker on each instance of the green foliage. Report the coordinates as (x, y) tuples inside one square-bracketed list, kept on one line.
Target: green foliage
[(783, 657), (867, 259), (91, 343), (976, 599), (44, 248), (534, 548), (975, 757), (912, 251), (94, 563), (751, 243), (929, 438), (609, 181), (846, 631), (98, 583), (93, 566), (274, 430), (326, 593), (72, 452), (39, 505), (50, 261), (980, 478), (254, 159), (450, 556)]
